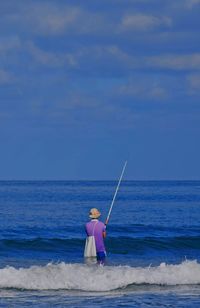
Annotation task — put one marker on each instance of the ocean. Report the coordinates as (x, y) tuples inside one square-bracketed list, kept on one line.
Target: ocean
[(153, 244)]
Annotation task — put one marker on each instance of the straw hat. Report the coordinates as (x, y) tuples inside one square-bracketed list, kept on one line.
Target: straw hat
[(94, 213)]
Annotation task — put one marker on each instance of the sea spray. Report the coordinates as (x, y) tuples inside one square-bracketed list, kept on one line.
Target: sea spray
[(96, 278)]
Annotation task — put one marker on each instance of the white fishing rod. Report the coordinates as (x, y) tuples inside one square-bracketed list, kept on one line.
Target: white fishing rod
[(113, 200)]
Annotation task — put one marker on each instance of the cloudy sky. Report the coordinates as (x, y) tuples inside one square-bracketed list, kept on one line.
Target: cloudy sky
[(85, 85)]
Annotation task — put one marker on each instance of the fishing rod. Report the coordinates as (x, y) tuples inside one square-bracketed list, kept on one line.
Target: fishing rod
[(113, 200)]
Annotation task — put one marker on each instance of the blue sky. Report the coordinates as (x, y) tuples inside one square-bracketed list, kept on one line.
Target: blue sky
[(85, 85)]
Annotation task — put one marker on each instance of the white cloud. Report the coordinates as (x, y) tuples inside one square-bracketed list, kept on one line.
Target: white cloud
[(51, 18), (5, 77), (118, 54), (128, 60), (144, 22), (143, 90), (194, 83), (85, 57), (112, 56), (51, 59), (175, 62), (9, 43), (158, 92), (191, 3)]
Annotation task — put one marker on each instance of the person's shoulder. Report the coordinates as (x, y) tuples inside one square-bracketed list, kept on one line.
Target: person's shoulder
[(101, 223)]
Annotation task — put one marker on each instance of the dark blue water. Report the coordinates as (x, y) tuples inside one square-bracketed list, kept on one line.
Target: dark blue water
[(153, 244)]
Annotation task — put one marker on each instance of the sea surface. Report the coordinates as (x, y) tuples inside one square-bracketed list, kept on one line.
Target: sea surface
[(153, 244)]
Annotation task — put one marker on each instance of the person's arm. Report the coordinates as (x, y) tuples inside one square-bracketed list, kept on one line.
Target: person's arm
[(104, 231), (86, 230)]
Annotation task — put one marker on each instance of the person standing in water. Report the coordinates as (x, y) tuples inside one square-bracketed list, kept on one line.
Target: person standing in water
[(98, 230)]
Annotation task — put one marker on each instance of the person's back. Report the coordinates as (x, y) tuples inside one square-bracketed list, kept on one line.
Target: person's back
[(98, 230)]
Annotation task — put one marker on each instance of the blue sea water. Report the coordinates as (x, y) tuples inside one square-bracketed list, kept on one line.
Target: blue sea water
[(153, 244)]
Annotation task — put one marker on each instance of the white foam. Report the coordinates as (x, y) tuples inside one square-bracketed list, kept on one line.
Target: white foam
[(96, 278)]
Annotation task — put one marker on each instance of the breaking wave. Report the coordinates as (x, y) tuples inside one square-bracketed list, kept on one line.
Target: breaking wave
[(97, 278)]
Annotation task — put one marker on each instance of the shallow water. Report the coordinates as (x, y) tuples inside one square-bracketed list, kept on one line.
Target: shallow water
[(153, 244)]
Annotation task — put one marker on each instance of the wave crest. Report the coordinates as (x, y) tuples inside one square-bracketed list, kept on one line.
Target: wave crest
[(96, 278)]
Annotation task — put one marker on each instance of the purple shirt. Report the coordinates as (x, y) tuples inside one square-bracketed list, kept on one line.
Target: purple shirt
[(96, 228)]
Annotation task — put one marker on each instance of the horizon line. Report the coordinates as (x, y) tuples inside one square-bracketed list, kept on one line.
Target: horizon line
[(99, 180)]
